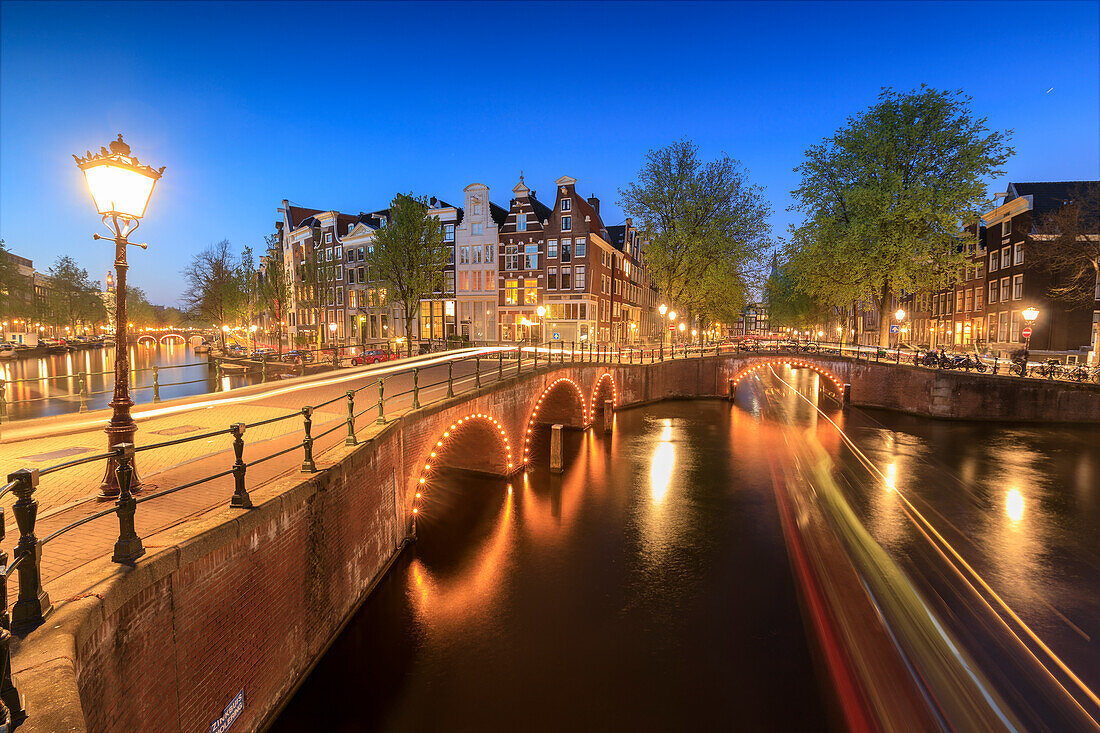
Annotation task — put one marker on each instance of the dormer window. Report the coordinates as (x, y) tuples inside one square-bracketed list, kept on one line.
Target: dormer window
[(1006, 228), (477, 208), (566, 204), (521, 222)]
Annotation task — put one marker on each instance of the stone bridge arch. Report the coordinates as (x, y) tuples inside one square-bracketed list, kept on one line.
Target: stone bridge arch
[(561, 402), (833, 382), (603, 389), (476, 441)]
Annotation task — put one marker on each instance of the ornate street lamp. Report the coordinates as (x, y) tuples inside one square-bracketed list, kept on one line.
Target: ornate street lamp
[(900, 315), (120, 187), (541, 310)]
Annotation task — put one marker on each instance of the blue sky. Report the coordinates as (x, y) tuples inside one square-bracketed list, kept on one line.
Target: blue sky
[(339, 106)]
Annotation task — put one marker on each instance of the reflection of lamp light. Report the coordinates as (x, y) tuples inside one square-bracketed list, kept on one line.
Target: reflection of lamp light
[(1014, 505)]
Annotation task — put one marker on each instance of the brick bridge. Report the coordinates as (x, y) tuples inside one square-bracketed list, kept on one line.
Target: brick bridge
[(249, 599), (186, 335)]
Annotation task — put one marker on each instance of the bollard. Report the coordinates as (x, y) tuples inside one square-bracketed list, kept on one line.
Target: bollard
[(350, 440), (12, 710), (33, 604), (128, 548), (416, 388), (381, 398), (308, 465), (555, 449), (608, 415), (156, 384), (240, 499), (477, 372), (731, 392), (3, 401), (450, 379), (84, 391), (847, 394)]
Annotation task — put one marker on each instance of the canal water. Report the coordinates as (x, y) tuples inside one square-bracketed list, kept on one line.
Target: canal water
[(648, 588), (50, 384)]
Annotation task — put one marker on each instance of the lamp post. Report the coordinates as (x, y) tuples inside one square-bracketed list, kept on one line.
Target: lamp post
[(541, 310), (662, 309), (252, 330), (120, 187), (899, 314), (1030, 314)]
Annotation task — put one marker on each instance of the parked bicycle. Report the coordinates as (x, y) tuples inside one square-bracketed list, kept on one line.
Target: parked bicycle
[(1050, 369)]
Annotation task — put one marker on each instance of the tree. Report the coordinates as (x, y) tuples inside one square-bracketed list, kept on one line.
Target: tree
[(408, 256), (74, 298), (275, 288), (706, 225), (886, 196), (213, 292), (1066, 243)]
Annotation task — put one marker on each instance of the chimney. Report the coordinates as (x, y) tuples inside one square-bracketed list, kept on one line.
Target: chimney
[(594, 203)]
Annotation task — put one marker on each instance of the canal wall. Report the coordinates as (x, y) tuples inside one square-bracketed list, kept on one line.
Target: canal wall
[(235, 600)]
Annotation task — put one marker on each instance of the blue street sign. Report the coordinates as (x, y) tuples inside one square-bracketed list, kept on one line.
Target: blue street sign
[(557, 336), (895, 328)]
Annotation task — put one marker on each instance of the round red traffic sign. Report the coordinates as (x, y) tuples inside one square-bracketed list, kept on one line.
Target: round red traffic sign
[(1026, 332)]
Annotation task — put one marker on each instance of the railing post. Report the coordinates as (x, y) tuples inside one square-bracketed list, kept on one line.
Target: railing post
[(241, 499), (350, 440), (416, 388), (477, 372), (128, 548), (450, 379), (156, 384), (661, 351), (381, 399), (263, 369), (994, 365), (308, 465), (217, 375), (33, 604), (12, 710), (573, 352), (536, 357), (3, 400), (500, 365), (84, 392)]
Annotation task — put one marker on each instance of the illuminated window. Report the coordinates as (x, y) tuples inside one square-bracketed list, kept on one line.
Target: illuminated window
[(511, 292), (530, 291)]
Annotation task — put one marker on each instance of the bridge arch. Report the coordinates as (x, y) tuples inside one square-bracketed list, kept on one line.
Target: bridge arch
[(750, 369), (164, 339), (553, 409), (477, 441), (146, 337), (603, 389)]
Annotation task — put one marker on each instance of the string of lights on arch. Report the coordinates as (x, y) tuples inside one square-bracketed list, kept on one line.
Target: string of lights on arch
[(596, 390), (447, 435), (538, 406), (792, 363)]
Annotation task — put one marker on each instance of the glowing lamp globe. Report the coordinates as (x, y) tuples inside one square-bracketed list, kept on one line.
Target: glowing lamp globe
[(662, 309), (682, 326), (1030, 314), (120, 185), (541, 310), (900, 314)]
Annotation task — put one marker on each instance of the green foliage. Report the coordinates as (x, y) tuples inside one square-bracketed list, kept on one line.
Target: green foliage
[(407, 257), (706, 227), (887, 195), (73, 297), (16, 290)]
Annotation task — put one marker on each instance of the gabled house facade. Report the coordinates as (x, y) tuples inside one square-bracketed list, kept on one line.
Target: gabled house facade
[(475, 240), (520, 279)]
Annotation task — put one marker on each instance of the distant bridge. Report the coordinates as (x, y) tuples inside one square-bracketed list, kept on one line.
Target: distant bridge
[(191, 337)]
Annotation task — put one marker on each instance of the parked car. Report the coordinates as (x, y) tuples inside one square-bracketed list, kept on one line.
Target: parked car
[(262, 353), (372, 356), (298, 355)]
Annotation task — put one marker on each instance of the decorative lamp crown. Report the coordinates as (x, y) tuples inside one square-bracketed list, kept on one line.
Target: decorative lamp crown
[(119, 183)]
